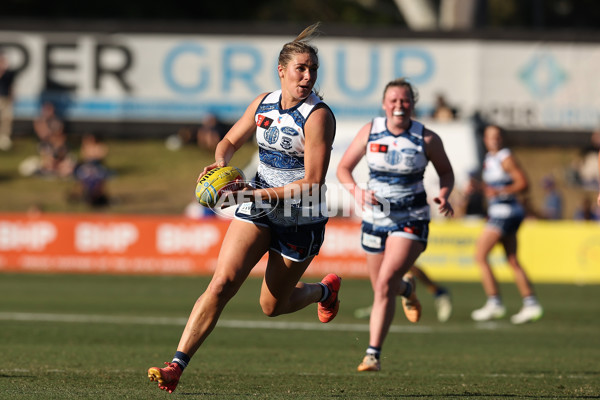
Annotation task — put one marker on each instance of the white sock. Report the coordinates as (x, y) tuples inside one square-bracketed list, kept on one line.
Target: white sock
[(495, 300), (530, 301)]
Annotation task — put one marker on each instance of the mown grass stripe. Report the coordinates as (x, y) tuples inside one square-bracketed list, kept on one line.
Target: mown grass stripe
[(247, 324)]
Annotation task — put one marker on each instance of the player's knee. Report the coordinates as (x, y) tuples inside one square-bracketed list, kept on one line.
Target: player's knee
[(481, 257), (385, 289), (222, 287), (513, 262), (270, 307)]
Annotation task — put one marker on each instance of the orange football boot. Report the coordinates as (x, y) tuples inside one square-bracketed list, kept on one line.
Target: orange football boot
[(412, 305), (328, 309), (167, 377), (369, 363)]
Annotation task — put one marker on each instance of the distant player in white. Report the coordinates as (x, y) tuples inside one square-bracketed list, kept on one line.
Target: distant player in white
[(396, 214), (295, 132), (504, 180), (598, 200)]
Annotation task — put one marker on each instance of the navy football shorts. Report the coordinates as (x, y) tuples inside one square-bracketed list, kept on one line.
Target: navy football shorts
[(373, 238), (507, 226), (294, 242)]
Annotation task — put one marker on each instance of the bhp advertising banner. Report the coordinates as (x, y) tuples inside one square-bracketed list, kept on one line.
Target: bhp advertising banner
[(115, 244), (567, 252)]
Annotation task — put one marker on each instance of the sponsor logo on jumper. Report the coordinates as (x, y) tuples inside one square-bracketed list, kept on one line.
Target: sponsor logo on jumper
[(271, 135), (286, 130), (263, 122), (378, 148)]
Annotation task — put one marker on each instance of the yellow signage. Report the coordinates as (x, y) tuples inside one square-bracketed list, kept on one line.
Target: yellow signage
[(561, 252)]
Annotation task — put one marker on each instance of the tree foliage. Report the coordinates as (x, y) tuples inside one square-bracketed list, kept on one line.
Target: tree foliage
[(522, 14)]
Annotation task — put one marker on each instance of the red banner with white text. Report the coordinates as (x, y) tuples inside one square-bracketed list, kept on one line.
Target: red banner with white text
[(140, 244), (563, 251)]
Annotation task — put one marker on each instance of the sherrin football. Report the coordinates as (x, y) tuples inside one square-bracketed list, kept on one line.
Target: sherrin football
[(210, 187)]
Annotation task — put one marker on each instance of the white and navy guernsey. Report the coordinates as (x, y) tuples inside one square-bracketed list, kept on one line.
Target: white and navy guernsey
[(396, 168), (505, 205), (280, 139)]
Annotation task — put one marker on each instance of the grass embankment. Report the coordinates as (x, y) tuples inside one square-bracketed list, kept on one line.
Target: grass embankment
[(148, 178)]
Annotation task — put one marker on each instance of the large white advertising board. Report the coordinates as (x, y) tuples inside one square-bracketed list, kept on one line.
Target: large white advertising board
[(144, 77)]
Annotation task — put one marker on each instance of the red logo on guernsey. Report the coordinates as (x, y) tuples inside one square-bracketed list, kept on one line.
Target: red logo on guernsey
[(263, 122), (378, 148)]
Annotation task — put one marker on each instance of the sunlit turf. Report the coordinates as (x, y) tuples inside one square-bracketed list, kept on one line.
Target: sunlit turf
[(115, 334)]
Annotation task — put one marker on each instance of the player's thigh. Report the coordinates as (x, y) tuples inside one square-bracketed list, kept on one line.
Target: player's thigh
[(281, 276), (487, 240), (374, 261), (509, 242), (400, 255), (243, 246)]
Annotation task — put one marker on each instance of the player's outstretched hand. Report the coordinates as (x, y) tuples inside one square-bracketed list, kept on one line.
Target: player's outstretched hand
[(445, 208)]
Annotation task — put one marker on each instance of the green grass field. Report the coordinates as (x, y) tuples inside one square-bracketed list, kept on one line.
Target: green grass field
[(93, 337)]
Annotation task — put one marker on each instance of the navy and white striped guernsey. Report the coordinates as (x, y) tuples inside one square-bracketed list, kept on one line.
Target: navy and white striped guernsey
[(396, 169), (280, 138), (506, 205)]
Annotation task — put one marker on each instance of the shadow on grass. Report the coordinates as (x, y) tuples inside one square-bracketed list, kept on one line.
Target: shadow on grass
[(411, 396), (6, 177), (17, 376)]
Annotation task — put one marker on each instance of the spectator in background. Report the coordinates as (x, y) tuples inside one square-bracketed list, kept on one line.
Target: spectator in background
[(41, 124), (93, 148), (178, 140), (598, 200), (7, 78), (586, 211), (443, 111), (584, 171), (91, 173), (211, 132), (553, 208), (56, 159)]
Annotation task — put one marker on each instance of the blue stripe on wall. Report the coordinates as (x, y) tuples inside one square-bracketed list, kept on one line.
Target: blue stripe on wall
[(162, 110)]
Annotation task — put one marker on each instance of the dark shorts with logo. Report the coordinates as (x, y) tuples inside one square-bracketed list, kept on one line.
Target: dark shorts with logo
[(295, 242), (373, 238), (508, 225)]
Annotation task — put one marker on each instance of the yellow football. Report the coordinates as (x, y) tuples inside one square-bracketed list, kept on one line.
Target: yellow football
[(210, 187)]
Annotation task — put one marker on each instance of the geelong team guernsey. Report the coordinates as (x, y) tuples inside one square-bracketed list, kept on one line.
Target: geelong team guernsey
[(280, 139), (506, 205), (396, 169)]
